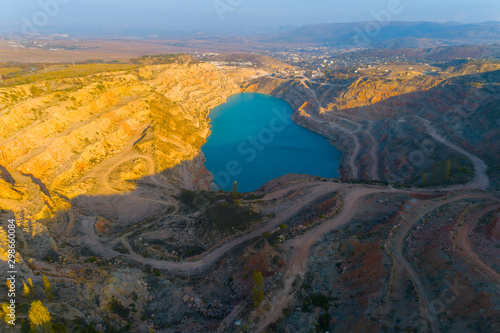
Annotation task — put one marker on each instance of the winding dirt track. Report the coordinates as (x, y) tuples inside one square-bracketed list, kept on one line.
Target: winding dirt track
[(357, 145), (480, 180), (316, 190), (298, 261), (209, 259), (397, 250), (301, 246), (463, 241)]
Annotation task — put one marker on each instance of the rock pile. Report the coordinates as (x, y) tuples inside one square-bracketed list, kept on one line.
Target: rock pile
[(215, 310)]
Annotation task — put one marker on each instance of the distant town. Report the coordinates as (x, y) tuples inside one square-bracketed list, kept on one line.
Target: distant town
[(41, 45)]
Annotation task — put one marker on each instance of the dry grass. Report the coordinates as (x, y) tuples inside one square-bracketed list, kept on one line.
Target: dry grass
[(99, 49), (53, 72), (7, 70)]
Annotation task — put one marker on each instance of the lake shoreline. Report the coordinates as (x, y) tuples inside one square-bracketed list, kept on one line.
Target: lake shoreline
[(254, 140)]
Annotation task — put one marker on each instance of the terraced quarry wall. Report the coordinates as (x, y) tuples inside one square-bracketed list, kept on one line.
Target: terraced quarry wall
[(68, 132), (381, 122), (92, 169)]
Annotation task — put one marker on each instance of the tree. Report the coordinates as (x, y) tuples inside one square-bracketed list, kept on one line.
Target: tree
[(258, 288), (235, 188), (447, 170), (40, 318), (4, 311), (26, 289), (30, 284), (35, 91), (48, 288), (324, 322)]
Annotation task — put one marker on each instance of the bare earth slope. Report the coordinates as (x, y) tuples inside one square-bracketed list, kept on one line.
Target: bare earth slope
[(387, 125), (73, 130), (103, 173)]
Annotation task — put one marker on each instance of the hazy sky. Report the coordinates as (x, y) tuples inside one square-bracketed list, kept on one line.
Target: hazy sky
[(170, 13)]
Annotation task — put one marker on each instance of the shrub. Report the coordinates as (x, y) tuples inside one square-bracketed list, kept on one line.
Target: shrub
[(48, 288), (320, 301), (324, 322), (118, 308), (258, 288)]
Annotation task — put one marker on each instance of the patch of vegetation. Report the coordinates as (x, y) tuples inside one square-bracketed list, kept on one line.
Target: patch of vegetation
[(9, 70), (320, 301), (56, 72), (252, 196), (48, 288), (196, 200), (190, 251), (258, 288), (228, 216), (323, 324), (162, 59), (92, 259), (118, 308), (454, 170), (274, 239), (341, 76), (121, 248), (35, 91)]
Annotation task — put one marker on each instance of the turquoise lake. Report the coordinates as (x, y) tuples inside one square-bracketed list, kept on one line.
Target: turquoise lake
[(254, 140)]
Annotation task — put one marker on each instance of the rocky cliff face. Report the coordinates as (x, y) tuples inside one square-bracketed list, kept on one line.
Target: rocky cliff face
[(85, 144), (70, 134)]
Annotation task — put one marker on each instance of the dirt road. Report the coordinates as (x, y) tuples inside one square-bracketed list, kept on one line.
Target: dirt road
[(301, 246), (480, 180), (463, 242)]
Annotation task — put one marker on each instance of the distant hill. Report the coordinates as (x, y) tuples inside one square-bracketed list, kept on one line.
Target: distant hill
[(394, 34), (443, 53)]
